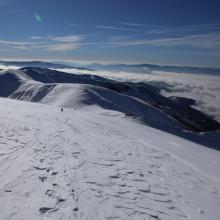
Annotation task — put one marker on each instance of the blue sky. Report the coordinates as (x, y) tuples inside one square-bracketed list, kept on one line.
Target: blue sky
[(173, 32)]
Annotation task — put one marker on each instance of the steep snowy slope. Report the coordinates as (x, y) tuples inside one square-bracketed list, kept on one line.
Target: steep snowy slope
[(98, 165)]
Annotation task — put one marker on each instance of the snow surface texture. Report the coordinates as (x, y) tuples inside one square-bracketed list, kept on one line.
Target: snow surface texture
[(99, 165)]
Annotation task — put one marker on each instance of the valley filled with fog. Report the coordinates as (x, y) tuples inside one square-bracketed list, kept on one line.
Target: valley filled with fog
[(203, 88)]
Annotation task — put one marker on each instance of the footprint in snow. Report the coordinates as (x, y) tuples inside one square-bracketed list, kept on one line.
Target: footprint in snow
[(44, 210), (42, 178), (39, 168), (54, 173)]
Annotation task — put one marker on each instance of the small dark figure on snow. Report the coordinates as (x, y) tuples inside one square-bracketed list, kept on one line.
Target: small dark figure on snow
[(61, 109)]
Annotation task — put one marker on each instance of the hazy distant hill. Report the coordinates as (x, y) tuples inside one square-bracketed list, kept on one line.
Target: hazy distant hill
[(150, 67), (40, 64)]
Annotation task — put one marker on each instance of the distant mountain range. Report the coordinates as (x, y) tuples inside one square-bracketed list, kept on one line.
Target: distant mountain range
[(142, 68), (41, 64), (134, 68)]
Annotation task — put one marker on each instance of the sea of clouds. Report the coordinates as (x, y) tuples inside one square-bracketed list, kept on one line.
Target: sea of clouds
[(204, 89)]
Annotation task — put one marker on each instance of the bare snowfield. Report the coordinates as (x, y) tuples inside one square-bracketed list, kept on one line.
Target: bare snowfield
[(80, 164)]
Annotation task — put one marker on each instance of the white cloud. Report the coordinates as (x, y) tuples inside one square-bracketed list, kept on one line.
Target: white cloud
[(132, 24), (205, 89), (66, 43), (5, 42), (19, 45), (69, 38), (3, 67), (120, 28), (36, 37), (62, 47)]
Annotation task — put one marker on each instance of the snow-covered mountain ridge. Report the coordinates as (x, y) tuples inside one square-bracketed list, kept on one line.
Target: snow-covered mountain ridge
[(136, 100), (98, 165)]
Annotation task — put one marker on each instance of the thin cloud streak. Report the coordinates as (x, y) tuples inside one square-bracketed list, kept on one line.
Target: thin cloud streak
[(209, 41), (120, 28), (36, 37), (157, 30), (63, 47), (64, 43), (5, 42), (144, 25), (68, 38), (132, 24), (19, 45)]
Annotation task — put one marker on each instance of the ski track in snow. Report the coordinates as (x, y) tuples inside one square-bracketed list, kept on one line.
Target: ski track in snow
[(70, 165)]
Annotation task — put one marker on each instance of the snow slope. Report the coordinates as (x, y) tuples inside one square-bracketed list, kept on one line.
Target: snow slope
[(99, 165)]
